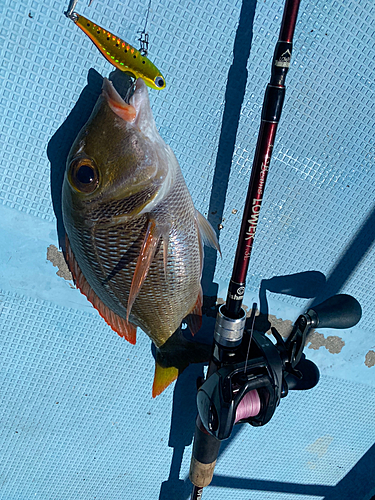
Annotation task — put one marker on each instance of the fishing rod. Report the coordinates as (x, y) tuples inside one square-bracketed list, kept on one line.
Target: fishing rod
[(271, 113), (231, 318), (248, 374)]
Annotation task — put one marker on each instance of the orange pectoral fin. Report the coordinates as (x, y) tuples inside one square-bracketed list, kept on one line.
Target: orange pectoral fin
[(163, 378), (194, 318), (143, 263), (120, 325)]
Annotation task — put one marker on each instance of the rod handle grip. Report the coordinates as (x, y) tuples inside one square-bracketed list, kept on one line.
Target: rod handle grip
[(205, 452)]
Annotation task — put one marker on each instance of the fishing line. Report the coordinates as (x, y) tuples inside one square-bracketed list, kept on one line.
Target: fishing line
[(144, 41), (148, 12), (251, 336), (249, 406)]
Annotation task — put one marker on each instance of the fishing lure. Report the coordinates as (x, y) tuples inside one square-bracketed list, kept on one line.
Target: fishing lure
[(119, 53)]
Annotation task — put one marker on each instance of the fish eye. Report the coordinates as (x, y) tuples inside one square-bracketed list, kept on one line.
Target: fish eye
[(83, 175), (159, 82)]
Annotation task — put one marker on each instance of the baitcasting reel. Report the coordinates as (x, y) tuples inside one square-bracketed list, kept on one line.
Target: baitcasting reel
[(253, 373)]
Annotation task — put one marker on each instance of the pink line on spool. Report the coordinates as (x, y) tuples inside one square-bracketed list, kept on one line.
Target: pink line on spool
[(249, 405)]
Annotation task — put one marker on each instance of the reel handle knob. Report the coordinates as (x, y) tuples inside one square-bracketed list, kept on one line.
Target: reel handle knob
[(339, 311)]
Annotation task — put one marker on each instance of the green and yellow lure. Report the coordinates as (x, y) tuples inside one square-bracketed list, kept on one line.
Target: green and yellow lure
[(119, 53)]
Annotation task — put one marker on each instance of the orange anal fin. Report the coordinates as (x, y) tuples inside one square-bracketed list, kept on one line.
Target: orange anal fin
[(163, 378), (120, 325), (143, 263), (194, 318)]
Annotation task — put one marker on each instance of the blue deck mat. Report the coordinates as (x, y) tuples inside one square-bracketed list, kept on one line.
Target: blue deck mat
[(77, 420)]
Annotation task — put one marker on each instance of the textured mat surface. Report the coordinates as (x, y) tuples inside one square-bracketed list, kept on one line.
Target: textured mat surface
[(76, 415)]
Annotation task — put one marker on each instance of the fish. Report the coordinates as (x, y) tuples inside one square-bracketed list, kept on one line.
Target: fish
[(118, 52), (134, 240)]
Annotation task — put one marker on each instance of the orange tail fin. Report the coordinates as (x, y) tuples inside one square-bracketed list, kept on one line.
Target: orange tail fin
[(162, 378)]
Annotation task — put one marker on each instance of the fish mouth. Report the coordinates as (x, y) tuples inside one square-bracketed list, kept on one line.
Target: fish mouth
[(129, 107), (118, 105), (134, 109)]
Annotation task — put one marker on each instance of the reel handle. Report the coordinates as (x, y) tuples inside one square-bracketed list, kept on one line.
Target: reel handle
[(339, 311)]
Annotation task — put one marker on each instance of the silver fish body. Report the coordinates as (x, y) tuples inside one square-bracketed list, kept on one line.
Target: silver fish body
[(135, 240)]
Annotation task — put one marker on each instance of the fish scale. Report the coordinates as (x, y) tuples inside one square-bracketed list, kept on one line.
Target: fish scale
[(176, 294)]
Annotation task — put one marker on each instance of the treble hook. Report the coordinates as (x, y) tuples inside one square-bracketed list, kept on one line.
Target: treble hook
[(143, 40)]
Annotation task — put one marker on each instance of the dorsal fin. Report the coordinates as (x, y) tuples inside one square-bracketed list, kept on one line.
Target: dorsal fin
[(207, 232), (117, 323)]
